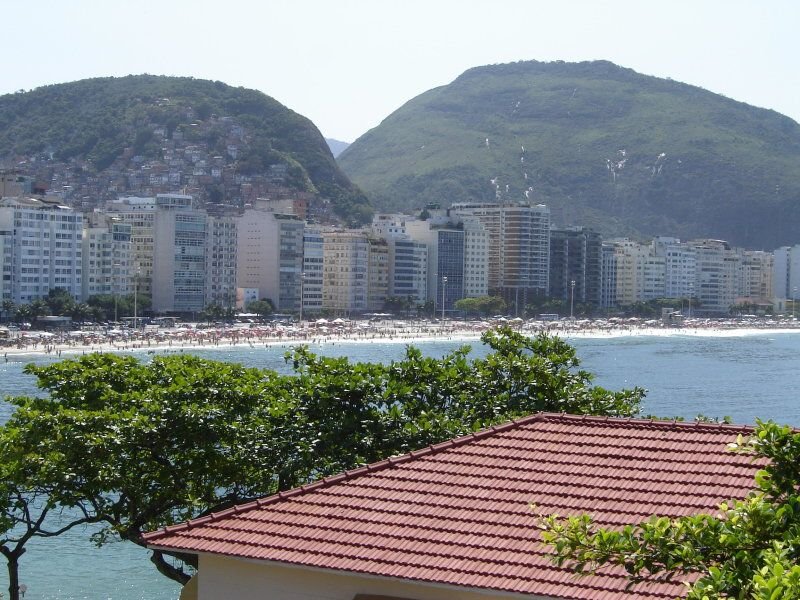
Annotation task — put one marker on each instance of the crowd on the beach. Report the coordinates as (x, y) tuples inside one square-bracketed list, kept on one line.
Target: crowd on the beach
[(194, 335)]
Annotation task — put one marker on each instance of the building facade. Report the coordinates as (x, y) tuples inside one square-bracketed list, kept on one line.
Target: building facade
[(270, 256), (41, 242), (575, 256), (518, 248), (106, 256)]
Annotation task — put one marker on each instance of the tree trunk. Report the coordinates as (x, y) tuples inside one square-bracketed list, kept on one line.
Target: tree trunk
[(12, 562)]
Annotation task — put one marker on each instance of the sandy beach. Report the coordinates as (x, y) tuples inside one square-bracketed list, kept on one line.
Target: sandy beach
[(197, 336)]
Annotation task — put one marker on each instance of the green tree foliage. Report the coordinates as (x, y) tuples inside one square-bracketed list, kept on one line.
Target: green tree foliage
[(148, 445), (263, 308), (485, 305), (749, 549)]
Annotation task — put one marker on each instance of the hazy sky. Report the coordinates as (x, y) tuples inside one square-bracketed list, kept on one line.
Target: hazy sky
[(347, 64)]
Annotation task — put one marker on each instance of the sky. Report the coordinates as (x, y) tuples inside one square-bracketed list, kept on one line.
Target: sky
[(348, 64)]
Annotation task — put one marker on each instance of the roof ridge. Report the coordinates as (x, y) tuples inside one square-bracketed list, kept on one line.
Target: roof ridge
[(643, 420)]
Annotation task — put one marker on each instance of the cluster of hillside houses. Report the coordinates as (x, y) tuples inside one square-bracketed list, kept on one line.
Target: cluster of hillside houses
[(187, 257)]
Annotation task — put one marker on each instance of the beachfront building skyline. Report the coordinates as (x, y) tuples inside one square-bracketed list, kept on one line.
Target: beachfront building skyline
[(41, 249), (204, 257)]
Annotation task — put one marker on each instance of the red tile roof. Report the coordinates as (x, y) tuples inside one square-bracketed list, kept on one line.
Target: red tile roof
[(459, 512)]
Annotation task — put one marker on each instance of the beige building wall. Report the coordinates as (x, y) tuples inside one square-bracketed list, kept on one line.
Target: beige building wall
[(222, 577)]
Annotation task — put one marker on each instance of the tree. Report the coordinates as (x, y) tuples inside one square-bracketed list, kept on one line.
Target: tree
[(485, 305), (212, 312), (38, 308), (22, 313), (59, 301), (263, 308), (750, 549), (148, 445), (398, 304), (24, 509)]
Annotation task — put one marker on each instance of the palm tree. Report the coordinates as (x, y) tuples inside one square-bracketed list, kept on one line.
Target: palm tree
[(80, 312), (38, 309), (22, 313)]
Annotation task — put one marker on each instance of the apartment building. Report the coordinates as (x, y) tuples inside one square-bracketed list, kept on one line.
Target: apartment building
[(312, 276), (139, 213), (106, 256), (221, 256), (408, 269), (270, 256), (377, 273), (345, 286), (575, 265), (40, 240), (180, 247), (755, 278), (518, 248), (717, 270), (786, 272)]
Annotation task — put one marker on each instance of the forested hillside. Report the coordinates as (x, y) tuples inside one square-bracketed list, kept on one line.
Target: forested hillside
[(602, 145)]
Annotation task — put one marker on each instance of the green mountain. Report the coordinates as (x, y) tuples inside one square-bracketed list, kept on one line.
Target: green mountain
[(602, 145), (105, 129)]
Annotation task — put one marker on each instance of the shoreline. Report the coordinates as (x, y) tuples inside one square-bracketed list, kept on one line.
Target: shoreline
[(188, 340)]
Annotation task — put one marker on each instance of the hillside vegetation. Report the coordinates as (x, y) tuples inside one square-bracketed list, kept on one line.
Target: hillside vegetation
[(604, 146), (99, 125)]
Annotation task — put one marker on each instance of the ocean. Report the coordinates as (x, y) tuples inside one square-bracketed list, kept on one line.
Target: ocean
[(745, 377)]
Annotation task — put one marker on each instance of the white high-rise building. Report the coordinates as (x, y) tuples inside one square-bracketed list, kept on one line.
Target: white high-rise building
[(106, 256), (680, 264), (180, 242), (41, 249), (221, 257)]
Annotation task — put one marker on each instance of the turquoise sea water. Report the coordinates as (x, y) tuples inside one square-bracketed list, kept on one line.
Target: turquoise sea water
[(743, 377)]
